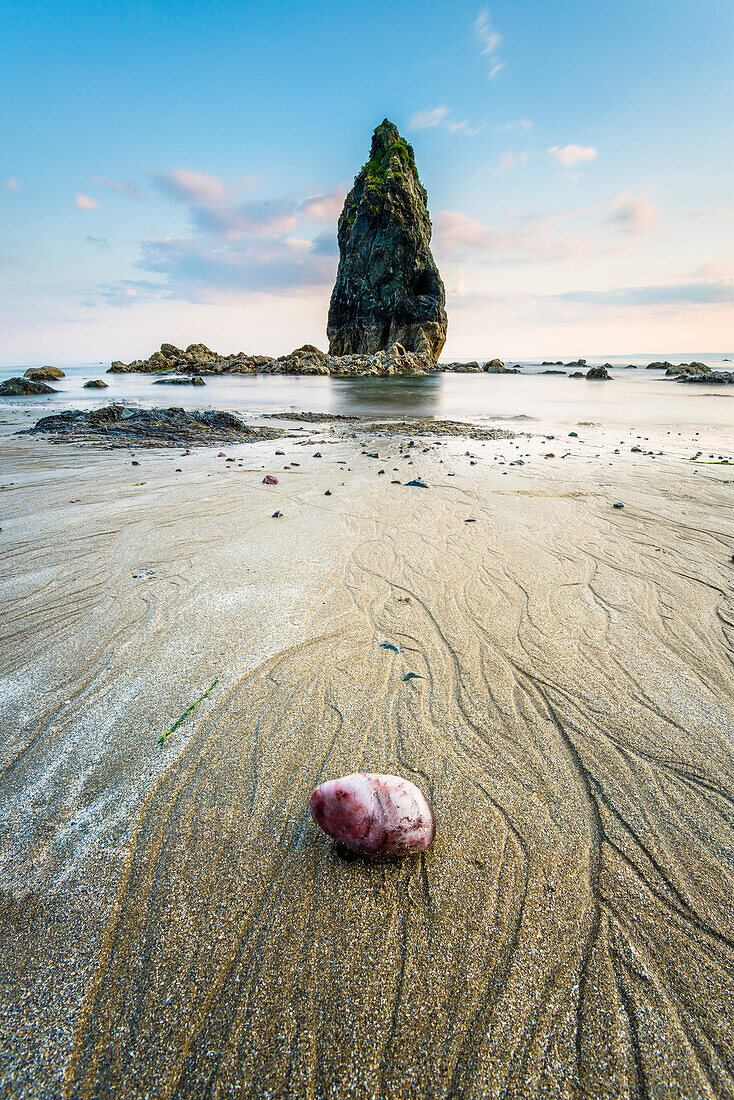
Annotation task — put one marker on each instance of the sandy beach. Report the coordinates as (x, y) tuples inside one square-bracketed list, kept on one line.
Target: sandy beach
[(173, 922)]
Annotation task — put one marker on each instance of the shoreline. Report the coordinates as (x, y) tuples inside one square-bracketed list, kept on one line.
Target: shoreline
[(571, 721)]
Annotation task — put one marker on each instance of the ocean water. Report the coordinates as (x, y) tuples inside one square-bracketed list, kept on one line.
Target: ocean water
[(635, 398)]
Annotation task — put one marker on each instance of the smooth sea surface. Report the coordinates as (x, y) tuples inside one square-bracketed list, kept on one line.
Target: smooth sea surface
[(635, 398)]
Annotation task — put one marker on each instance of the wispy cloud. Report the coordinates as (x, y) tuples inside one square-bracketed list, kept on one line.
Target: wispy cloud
[(489, 40), (570, 155), (508, 161), (198, 270), (183, 185), (84, 202), (713, 212), (666, 294), (558, 236), (439, 116), (424, 120), (100, 242), (126, 293), (521, 125), (323, 208), (261, 246), (126, 189), (11, 184), (523, 240), (262, 218), (634, 215)]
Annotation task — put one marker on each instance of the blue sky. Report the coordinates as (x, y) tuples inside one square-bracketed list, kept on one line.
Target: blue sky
[(174, 170)]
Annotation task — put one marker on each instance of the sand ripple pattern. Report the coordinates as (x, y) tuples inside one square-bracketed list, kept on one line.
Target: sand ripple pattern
[(570, 934)]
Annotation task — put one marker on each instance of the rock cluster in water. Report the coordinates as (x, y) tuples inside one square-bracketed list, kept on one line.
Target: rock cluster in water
[(388, 289), (198, 360), (379, 816)]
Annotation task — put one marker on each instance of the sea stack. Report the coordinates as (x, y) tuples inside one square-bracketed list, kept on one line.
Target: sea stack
[(388, 290)]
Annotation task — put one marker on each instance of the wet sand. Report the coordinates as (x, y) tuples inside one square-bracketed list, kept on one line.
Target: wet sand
[(174, 925)]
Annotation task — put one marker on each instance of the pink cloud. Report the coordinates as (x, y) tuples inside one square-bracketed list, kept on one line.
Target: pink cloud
[(122, 188), (635, 215), (84, 202), (323, 208), (570, 155), (186, 186)]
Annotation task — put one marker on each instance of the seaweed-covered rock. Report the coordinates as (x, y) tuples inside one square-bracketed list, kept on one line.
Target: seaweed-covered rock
[(713, 377), (388, 289), (95, 384), (177, 380), (687, 370), (44, 374), (23, 387), (119, 426), (598, 374)]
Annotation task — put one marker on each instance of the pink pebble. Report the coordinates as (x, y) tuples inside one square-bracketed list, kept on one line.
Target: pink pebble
[(270, 480), (380, 816)]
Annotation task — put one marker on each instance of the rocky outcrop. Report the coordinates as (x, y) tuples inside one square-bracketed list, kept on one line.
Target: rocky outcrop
[(195, 380), (598, 374), (713, 377), (44, 374), (494, 366), (388, 289), (95, 384), (23, 387), (687, 370), (199, 360), (118, 426)]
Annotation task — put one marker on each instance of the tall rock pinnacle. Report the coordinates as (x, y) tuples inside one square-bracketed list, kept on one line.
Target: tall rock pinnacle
[(388, 289)]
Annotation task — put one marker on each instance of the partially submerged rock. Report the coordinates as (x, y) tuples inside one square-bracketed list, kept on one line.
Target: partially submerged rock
[(380, 816), (23, 387), (688, 370), (44, 374), (177, 380), (598, 374), (95, 384), (713, 377), (118, 426), (388, 289)]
